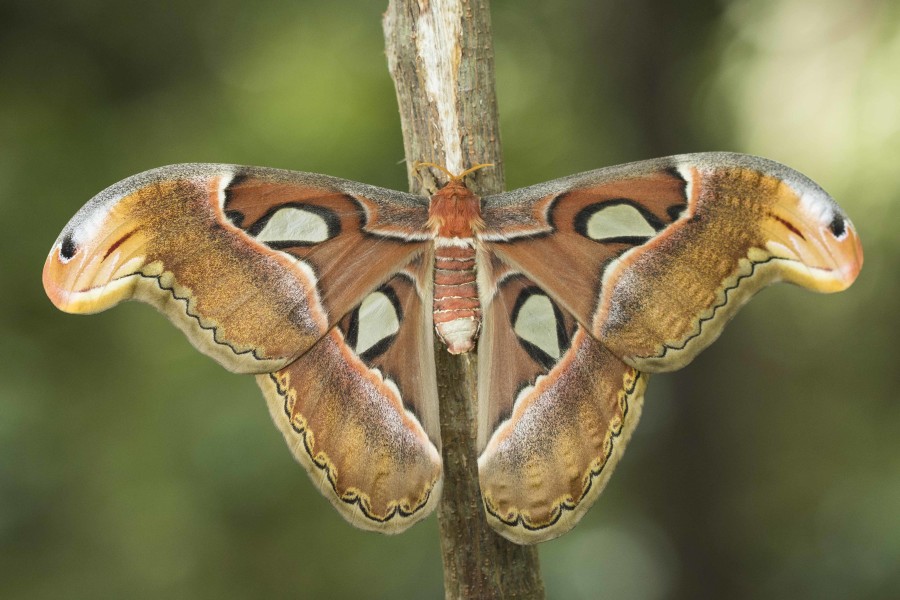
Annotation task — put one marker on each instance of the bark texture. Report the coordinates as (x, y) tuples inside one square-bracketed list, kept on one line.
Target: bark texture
[(440, 55)]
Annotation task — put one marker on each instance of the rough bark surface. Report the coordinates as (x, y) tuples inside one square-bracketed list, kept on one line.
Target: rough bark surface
[(440, 55)]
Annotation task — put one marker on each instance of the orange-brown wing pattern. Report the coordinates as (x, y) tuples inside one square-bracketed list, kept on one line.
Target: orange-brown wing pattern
[(352, 237), (255, 265), (359, 410), (590, 280), (654, 257), (556, 410), (325, 289), (557, 235), (321, 285)]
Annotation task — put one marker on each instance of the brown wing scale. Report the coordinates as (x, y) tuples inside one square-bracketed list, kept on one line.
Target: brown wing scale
[(653, 258), (186, 239), (359, 417), (325, 288), (264, 270), (557, 409), (643, 264)]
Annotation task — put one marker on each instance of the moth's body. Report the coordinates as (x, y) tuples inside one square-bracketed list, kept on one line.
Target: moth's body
[(330, 292), (454, 218)]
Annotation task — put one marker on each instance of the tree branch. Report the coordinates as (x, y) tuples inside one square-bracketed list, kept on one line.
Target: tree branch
[(440, 55)]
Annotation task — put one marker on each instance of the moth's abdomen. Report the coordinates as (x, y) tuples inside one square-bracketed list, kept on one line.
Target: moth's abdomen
[(457, 310)]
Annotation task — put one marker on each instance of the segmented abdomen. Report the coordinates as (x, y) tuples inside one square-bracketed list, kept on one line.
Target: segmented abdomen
[(457, 311)]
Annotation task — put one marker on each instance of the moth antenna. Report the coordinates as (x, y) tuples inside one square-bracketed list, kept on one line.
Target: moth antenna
[(473, 169), (418, 165)]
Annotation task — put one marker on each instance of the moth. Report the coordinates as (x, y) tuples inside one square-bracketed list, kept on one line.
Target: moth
[(572, 292)]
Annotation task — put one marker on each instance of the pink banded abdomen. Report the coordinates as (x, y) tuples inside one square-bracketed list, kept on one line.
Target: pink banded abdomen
[(457, 310)]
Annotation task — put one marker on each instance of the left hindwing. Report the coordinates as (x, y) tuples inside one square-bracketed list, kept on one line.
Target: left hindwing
[(360, 409)]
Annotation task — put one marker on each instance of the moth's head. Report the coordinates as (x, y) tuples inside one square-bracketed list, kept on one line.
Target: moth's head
[(807, 227)]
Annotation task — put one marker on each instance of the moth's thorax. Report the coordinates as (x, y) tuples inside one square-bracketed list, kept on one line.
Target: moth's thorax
[(455, 212), (454, 217)]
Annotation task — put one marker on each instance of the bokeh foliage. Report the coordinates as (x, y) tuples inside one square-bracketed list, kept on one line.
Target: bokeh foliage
[(133, 467)]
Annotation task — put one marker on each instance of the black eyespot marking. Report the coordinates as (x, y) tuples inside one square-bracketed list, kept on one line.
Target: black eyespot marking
[(236, 217), (675, 211), (389, 291), (674, 172), (583, 218), (68, 248), (236, 181), (563, 338), (377, 350), (350, 327), (838, 226), (329, 218)]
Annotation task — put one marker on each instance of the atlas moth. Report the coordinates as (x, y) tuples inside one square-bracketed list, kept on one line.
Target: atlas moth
[(571, 291)]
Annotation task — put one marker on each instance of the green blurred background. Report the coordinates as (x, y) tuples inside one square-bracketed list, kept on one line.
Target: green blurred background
[(131, 466)]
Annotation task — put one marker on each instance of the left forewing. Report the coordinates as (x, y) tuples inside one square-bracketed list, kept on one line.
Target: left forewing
[(254, 265)]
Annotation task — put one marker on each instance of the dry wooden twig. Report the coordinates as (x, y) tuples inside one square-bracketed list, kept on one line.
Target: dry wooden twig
[(441, 58)]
